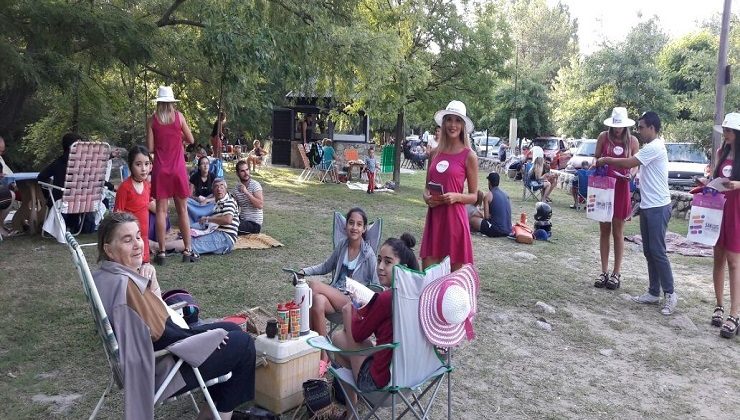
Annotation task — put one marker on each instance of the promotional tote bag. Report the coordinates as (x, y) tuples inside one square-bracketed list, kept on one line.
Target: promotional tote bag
[(600, 197), (705, 218)]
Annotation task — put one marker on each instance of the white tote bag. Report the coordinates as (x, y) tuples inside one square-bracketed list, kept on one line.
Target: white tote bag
[(705, 218), (600, 198)]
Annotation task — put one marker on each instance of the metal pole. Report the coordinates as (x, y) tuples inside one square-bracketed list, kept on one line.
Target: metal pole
[(722, 79)]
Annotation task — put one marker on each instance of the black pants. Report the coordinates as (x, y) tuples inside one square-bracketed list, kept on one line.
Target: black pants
[(238, 357), (247, 226)]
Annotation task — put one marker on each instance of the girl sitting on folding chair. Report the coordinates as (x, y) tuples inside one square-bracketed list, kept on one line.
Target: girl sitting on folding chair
[(375, 318), (354, 258)]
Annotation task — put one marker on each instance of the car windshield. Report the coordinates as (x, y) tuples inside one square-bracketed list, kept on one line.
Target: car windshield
[(546, 144), (587, 148), (686, 152)]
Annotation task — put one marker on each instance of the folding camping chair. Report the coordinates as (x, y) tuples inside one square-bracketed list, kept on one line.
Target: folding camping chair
[(309, 171), (582, 189), (83, 183), (416, 366), (110, 343), (528, 190)]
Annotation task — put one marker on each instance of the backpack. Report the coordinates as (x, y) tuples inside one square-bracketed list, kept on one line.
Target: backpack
[(217, 168), (191, 309)]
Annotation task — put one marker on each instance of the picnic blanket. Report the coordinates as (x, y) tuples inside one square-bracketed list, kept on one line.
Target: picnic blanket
[(251, 241), (359, 186), (679, 244)]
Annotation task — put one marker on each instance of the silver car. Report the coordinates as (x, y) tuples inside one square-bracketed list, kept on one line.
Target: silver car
[(584, 154)]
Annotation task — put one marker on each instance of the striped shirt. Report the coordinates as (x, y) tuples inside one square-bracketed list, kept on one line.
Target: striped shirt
[(246, 210), (227, 205)]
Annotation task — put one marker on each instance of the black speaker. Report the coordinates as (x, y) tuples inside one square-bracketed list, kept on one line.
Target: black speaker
[(283, 123)]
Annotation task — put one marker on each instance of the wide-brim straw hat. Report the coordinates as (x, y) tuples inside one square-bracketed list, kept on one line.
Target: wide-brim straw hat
[(447, 307), (455, 108), (732, 120), (165, 94), (619, 118)]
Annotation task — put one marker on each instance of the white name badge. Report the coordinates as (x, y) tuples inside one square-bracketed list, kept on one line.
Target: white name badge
[(727, 171), (442, 166), (618, 150)]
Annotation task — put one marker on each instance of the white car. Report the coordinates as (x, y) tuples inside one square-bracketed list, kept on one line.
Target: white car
[(686, 161), (584, 154), (487, 147)]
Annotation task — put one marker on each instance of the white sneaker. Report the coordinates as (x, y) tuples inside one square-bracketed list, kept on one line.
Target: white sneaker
[(646, 298), (669, 303)]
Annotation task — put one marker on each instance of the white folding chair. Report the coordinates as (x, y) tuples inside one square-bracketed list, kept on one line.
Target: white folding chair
[(308, 170), (110, 343), (417, 368)]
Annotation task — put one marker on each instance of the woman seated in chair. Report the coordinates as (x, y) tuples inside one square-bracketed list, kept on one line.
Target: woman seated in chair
[(352, 257), (256, 156), (538, 179), (142, 322), (375, 318)]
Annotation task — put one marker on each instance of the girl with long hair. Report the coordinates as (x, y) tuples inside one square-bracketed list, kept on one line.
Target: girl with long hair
[(727, 249), (166, 130), (616, 142), (452, 163)]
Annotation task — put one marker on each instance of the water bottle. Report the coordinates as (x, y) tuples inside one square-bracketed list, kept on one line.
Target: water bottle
[(304, 298)]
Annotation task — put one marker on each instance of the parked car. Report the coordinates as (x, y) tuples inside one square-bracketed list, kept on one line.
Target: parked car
[(487, 147), (584, 153), (686, 162), (555, 150)]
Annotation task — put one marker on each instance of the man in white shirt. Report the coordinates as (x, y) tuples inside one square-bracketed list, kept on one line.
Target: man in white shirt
[(249, 197), (655, 209)]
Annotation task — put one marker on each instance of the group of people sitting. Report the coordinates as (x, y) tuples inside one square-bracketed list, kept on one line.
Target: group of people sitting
[(491, 213)]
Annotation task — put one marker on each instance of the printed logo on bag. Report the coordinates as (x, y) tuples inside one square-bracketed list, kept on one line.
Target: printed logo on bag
[(618, 150), (727, 171), (442, 166), (696, 224)]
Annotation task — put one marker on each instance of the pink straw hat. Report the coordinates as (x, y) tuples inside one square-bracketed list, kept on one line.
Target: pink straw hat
[(447, 307)]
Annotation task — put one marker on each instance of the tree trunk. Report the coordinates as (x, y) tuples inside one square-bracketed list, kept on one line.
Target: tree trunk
[(398, 143)]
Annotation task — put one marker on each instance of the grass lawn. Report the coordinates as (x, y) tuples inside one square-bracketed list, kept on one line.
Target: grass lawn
[(605, 357)]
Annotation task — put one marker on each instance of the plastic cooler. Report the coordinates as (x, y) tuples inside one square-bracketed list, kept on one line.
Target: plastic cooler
[(279, 384)]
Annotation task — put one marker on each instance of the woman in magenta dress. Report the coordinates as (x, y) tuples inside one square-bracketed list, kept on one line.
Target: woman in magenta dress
[(453, 162), (165, 131), (619, 143), (727, 249), (134, 194)]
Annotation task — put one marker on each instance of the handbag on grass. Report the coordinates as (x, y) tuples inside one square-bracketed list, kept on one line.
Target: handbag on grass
[(316, 395), (600, 196), (705, 218)]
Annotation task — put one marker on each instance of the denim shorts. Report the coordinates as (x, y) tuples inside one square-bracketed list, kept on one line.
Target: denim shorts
[(365, 382), (216, 242)]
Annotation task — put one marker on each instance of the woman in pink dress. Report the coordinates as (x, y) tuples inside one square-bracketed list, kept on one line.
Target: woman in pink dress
[(453, 162), (727, 249), (165, 131), (619, 143)]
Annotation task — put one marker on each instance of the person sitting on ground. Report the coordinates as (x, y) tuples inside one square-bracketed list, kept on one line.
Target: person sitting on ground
[(200, 202), (248, 195), (375, 318), (582, 173), (352, 257), (496, 220), (327, 158), (56, 173), (475, 212), (144, 324), (256, 155), (538, 180), (221, 226)]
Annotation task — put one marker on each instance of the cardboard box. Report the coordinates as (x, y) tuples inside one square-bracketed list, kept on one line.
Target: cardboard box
[(279, 384)]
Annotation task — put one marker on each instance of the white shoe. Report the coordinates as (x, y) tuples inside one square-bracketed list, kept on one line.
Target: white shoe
[(646, 298), (669, 303)]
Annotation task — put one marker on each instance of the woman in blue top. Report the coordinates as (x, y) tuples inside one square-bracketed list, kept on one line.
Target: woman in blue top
[(326, 159), (352, 257)]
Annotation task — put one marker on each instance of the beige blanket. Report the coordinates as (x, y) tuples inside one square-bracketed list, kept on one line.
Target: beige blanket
[(251, 241), (679, 244)]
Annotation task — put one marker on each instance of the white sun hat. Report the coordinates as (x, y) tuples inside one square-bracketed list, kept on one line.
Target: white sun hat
[(164, 94), (455, 108), (732, 120), (619, 118), (448, 305)]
